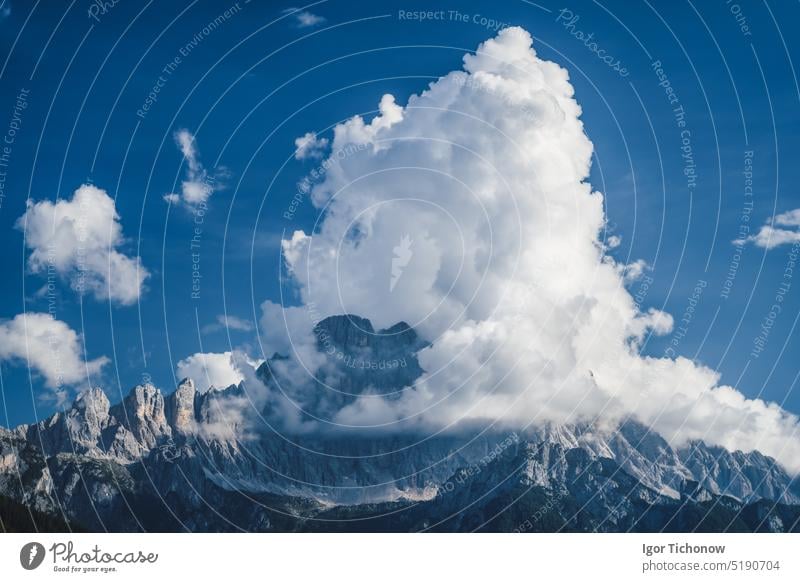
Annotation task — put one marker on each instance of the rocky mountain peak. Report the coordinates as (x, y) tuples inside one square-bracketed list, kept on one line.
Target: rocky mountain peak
[(738, 474), (93, 407), (358, 358), (180, 407), (344, 331), (352, 333), (93, 398), (143, 413)]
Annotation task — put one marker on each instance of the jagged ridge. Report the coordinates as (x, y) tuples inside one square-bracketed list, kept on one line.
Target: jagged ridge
[(97, 461)]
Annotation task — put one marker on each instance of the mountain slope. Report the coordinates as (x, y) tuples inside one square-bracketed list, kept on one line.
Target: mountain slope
[(178, 463)]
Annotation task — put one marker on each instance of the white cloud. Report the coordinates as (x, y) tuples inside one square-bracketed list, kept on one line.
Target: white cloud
[(78, 240), (310, 146), (769, 237), (355, 133), (229, 418), (530, 321), (49, 347), (634, 271), (199, 185), (790, 218), (210, 370), (304, 18), (230, 322)]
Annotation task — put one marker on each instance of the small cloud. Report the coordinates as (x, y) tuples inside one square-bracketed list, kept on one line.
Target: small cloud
[(304, 18), (79, 240), (791, 218), (770, 237), (230, 322), (634, 271), (614, 241), (5, 9), (310, 146), (49, 347), (210, 370), (199, 185)]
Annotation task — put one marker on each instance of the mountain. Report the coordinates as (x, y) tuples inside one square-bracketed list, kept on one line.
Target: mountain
[(183, 462)]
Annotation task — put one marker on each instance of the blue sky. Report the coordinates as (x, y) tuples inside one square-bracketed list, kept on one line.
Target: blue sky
[(261, 78)]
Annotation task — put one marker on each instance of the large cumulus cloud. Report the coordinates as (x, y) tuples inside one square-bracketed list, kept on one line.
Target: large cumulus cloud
[(466, 214)]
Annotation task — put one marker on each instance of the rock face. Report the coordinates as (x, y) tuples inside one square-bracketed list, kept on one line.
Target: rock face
[(744, 476), (358, 357), (184, 463), (181, 408), (143, 414)]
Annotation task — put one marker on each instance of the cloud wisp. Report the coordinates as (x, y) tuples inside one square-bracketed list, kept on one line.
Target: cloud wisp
[(783, 230), (310, 147), (199, 184), (304, 18), (228, 322)]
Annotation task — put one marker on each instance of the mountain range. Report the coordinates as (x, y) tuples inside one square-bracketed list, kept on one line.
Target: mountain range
[(156, 462)]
